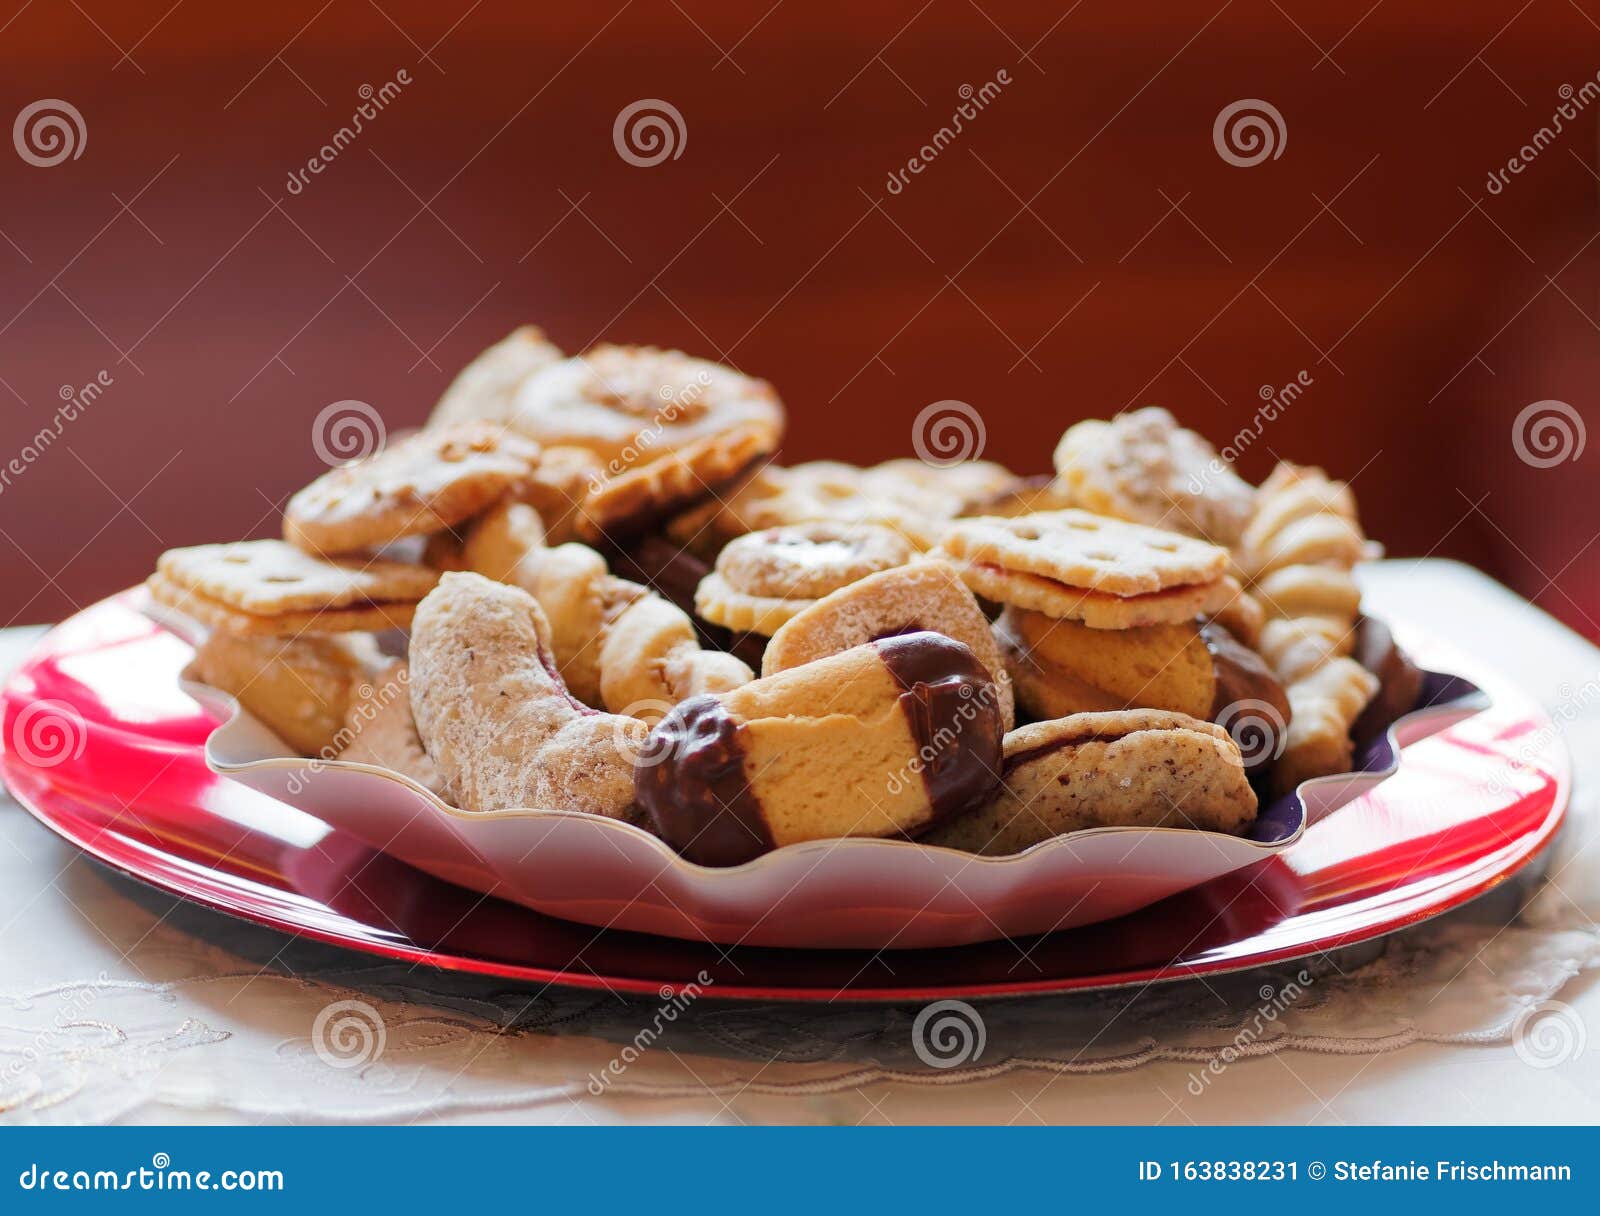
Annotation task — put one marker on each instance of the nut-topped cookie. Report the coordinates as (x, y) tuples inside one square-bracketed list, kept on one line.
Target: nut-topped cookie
[(425, 483), (1133, 768)]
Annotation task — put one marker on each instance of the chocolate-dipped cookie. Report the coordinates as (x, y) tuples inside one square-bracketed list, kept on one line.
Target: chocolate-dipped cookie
[(1399, 679), (886, 739)]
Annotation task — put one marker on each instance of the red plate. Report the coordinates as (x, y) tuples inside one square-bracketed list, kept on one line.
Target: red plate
[(104, 749)]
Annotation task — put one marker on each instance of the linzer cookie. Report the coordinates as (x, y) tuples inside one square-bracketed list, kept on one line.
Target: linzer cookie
[(1135, 768), (1077, 566), (764, 579), (882, 740), (486, 388), (268, 588), (1199, 669), (923, 595), (425, 483)]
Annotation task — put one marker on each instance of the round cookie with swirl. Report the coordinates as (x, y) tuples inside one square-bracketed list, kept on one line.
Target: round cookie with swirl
[(668, 429), (886, 739), (762, 580)]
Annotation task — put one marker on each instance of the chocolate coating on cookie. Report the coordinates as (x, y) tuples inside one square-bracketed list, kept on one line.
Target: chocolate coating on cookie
[(1243, 675), (1399, 679), (953, 709), (691, 782)]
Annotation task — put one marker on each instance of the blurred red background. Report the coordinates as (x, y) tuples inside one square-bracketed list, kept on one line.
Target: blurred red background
[(1080, 248)]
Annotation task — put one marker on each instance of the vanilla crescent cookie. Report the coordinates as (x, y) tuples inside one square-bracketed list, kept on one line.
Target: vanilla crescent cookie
[(486, 388), (425, 483), (924, 595), (269, 588), (494, 716), (763, 579), (380, 730), (1078, 566), (885, 739), (1131, 768), (1145, 468)]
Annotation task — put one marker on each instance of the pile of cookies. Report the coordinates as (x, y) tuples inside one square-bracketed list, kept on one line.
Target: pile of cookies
[(586, 585)]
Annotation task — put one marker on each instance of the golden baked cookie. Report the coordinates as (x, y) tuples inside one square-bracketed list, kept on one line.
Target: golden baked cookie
[(764, 579), (912, 498), (1145, 468), (881, 740), (924, 595), (557, 488), (486, 388), (425, 483), (1063, 667), (497, 721), (1130, 768), (266, 587), (631, 404), (641, 496), (298, 688), (1104, 572)]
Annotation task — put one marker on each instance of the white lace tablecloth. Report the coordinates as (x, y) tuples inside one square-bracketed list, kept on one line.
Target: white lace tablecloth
[(121, 1005)]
